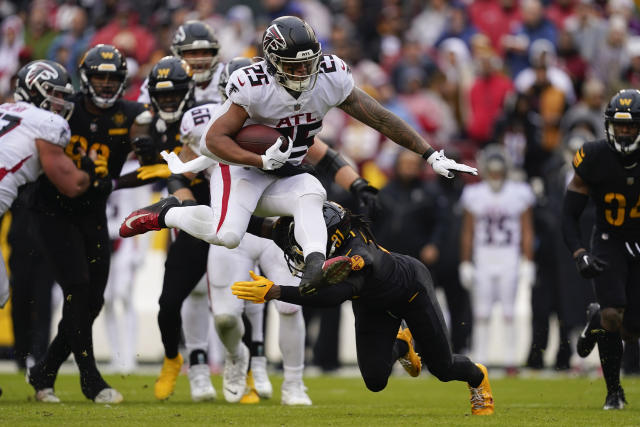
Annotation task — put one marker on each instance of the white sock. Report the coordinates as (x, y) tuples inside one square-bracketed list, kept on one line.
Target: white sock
[(255, 314), (481, 334), (230, 330), (292, 374), (291, 339), (196, 321), (307, 215)]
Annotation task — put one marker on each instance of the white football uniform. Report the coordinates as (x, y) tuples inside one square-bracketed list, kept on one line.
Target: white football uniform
[(20, 125), (239, 191), (496, 241), (209, 93)]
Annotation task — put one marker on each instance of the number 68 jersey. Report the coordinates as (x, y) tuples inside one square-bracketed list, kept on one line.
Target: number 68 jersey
[(497, 220), (20, 125)]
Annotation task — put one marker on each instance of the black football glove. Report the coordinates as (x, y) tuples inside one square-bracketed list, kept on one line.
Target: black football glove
[(146, 150), (367, 198), (87, 165), (589, 266), (102, 185)]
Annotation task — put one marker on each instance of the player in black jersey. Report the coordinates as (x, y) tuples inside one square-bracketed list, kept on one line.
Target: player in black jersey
[(608, 171), (74, 231), (385, 288)]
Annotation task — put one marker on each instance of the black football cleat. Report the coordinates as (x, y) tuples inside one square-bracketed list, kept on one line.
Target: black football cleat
[(312, 275), (615, 400), (148, 218), (589, 336)]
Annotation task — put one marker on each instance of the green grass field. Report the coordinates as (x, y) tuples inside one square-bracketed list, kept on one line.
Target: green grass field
[(336, 401)]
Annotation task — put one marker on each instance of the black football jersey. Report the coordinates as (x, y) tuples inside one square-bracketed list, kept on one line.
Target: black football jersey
[(614, 188), (108, 134)]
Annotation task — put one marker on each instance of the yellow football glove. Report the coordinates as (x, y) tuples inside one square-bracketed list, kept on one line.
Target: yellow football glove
[(102, 166), (159, 170), (253, 291)]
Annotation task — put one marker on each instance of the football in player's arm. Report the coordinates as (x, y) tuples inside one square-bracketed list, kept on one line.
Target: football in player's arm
[(608, 172)]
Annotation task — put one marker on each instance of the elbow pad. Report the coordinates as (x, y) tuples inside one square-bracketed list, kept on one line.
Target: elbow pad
[(331, 163), (572, 208)]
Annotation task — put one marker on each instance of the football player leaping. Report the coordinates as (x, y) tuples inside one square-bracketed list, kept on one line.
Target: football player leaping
[(291, 90)]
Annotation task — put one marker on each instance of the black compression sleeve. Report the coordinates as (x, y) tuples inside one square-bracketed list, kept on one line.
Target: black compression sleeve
[(572, 208), (331, 163), (326, 297), (176, 182)]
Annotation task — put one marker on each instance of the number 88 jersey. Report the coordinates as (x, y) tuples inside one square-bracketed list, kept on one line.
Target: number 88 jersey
[(269, 103)]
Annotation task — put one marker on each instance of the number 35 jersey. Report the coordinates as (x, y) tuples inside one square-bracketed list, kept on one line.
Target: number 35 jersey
[(614, 188), (497, 226), (20, 125), (270, 104)]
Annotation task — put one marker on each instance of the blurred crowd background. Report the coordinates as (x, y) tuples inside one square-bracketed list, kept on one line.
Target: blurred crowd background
[(532, 76)]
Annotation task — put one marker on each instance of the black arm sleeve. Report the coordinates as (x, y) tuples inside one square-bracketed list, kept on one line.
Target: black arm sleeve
[(176, 182), (572, 208), (129, 180), (330, 164), (326, 297)]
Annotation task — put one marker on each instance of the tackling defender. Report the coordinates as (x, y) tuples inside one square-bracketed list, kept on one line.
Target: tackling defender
[(385, 288)]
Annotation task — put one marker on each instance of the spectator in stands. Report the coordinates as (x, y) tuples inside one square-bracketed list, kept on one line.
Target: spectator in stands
[(495, 18), (631, 74), (534, 26), (570, 61), (12, 42), (427, 26), (413, 62), (458, 25), (588, 111), (612, 55), (38, 34), (559, 11), (587, 28), (488, 92), (454, 61), (75, 41)]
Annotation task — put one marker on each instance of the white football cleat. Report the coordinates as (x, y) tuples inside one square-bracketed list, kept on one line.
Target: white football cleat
[(295, 394), (108, 395), (200, 382), (47, 395), (234, 376), (260, 377)]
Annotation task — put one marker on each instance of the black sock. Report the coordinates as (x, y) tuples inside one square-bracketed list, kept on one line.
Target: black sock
[(400, 348), (610, 349), (198, 357), (256, 348)]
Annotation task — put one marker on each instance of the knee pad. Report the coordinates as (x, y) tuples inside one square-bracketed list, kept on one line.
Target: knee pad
[(287, 308), (375, 384), (230, 240), (226, 321)]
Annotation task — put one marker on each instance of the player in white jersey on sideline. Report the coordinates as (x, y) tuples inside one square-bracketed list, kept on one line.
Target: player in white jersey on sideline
[(496, 249), (33, 135), (291, 90)]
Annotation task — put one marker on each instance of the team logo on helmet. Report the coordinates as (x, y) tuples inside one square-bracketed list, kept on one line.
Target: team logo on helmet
[(273, 39), (37, 70), (179, 36)]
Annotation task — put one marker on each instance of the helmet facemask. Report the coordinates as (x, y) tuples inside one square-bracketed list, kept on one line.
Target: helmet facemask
[(56, 99), (104, 87), (202, 60), (298, 74), (169, 101), (623, 133)]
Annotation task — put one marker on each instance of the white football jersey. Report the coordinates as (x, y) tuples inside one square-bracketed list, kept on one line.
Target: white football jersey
[(20, 125), (270, 104), (497, 227), (210, 93), (193, 126)]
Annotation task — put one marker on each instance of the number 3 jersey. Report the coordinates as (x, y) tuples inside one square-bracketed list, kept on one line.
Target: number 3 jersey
[(614, 188), (20, 125), (497, 226), (270, 104)]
